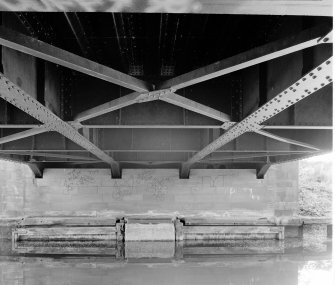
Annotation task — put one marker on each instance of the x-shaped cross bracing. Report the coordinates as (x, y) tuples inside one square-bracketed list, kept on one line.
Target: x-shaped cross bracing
[(145, 92)]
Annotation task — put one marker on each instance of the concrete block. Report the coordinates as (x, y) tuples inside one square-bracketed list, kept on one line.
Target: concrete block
[(210, 191), (293, 231), (86, 198), (179, 230), (286, 205), (283, 184), (150, 232), (5, 232), (157, 249), (95, 206), (81, 190), (279, 213), (120, 231)]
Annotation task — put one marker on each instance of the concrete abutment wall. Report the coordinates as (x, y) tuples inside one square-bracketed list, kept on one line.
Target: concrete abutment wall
[(207, 193), (227, 196)]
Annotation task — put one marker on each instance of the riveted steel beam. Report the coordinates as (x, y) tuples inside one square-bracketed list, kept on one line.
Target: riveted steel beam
[(304, 87), (328, 38), (79, 32), (285, 140), (108, 107), (34, 47), (165, 95), (303, 40), (296, 157), (47, 154), (296, 127), (196, 107), (244, 152), (21, 126), (119, 103), (16, 96), (223, 126), (255, 155), (23, 134)]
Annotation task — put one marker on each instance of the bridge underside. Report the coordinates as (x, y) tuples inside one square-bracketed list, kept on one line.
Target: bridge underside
[(185, 91), (149, 97)]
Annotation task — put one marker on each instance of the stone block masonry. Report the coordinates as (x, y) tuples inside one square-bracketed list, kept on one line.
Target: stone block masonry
[(212, 193)]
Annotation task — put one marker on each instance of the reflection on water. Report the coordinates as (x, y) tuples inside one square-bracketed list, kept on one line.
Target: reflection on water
[(292, 261)]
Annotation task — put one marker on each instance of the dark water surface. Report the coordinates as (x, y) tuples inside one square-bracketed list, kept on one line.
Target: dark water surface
[(293, 261)]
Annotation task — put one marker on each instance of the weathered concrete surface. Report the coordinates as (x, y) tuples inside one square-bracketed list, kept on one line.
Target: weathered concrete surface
[(212, 193), (156, 249), (65, 234), (150, 232), (232, 232), (293, 231)]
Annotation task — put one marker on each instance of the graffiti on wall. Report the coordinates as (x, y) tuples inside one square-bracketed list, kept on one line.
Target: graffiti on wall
[(150, 6)]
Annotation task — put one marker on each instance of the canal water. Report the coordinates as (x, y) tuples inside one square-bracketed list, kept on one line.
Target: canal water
[(303, 261)]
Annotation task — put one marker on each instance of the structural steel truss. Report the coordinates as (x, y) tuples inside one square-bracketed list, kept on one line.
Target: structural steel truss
[(16, 96), (307, 85), (165, 91)]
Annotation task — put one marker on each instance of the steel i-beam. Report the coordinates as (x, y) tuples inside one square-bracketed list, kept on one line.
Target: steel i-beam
[(281, 47), (307, 85), (16, 96), (166, 95), (39, 49), (285, 140), (22, 135)]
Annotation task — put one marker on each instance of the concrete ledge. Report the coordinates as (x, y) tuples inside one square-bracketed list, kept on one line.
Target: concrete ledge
[(66, 248), (66, 221), (65, 234), (150, 232), (162, 229), (232, 232)]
